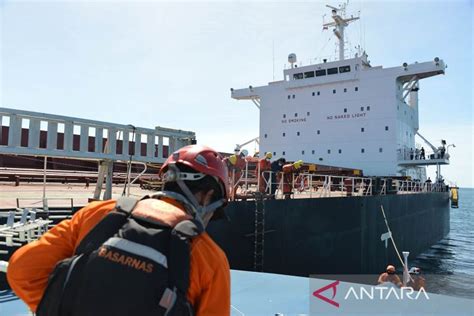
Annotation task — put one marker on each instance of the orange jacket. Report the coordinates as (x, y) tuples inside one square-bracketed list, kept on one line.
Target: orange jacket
[(30, 266), (263, 165)]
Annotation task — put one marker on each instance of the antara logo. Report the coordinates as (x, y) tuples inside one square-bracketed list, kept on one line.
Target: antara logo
[(333, 285), (372, 293)]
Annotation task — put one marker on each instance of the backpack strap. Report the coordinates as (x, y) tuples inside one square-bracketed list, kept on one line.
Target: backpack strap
[(179, 253), (126, 204), (108, 226)]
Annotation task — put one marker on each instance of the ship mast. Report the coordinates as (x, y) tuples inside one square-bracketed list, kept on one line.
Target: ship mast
[(340, 23)]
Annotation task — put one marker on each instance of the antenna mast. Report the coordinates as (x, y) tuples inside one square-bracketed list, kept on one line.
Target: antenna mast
[(340, 23)]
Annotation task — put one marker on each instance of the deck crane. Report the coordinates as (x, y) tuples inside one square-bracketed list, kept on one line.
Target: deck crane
[(238, 147), (436, 150)]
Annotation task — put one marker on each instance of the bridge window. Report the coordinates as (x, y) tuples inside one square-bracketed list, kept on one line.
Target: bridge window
[(332, 71), (293, 96), (274, 153), (340, 151), (309, 74), (296, 114), (266, 135), (284, 134), (297, 133), (302, 152), (318, 132), (284, 115), (313, 94), (319, 93), (368, 108), (362, 129), (362, 150), (362, 108), (345, 90), (321, 72), (334, 91), (298, 76), (380, 149), (289, 97), (356, 89), (329, 151), (307, 113), (386, 128), (312, 151), (345, 110), (344, 69), (283, 153)]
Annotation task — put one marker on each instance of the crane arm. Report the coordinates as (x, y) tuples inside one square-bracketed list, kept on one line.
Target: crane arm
[(427, 142)]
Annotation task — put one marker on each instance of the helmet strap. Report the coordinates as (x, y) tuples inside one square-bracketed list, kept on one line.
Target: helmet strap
[(199, 210)]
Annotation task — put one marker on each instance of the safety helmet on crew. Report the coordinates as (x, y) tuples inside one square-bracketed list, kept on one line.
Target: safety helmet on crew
[(414, 270), (390, 269), (268, 155), (244, 153), (206, 162)]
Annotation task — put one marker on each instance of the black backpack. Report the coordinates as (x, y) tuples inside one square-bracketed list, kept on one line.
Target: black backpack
[(124, 266)]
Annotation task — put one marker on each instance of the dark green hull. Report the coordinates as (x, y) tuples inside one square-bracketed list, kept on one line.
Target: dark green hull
[(333, 235)]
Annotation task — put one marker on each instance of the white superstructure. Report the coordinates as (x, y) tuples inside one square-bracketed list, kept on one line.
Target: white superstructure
[(345, 113)]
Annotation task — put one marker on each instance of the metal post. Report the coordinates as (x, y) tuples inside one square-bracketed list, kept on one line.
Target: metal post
[(45, 201), (405, 268), (108, 182), (126, 189)]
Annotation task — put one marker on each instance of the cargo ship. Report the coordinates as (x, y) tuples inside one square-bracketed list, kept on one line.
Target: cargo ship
[(349, 114), (363, 186)]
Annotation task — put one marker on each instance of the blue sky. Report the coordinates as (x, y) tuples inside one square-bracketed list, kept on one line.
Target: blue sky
[(171, 64)]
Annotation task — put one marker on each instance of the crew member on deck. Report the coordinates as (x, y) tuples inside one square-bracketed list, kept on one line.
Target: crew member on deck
[(264, 166), (416, 280), (390, 276), (276, 168), (288, 171)]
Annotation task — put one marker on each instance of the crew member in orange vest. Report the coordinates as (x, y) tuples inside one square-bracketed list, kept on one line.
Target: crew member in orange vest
[(264, 165), (288, 171), (390, 276), (204, 176)]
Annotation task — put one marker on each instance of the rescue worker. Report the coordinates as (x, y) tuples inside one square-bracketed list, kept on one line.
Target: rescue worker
[(194, 175), (390, 276), (422, 153), (288, 171), (231, 163), (276, 167), (264, 165), (238, 170), (416, 280)]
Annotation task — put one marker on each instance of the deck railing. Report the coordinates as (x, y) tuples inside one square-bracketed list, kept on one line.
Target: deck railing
[(311, 185)]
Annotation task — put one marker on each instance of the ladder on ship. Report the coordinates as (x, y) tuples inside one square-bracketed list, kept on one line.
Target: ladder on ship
[(259, 233)]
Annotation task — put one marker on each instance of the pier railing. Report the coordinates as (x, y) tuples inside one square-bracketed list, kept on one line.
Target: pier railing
[(21, 227)]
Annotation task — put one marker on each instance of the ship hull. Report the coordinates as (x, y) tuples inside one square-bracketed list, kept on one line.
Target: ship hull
[(333, 235)]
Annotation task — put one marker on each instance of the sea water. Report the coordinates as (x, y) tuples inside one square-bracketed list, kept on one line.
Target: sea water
[(450, 262)]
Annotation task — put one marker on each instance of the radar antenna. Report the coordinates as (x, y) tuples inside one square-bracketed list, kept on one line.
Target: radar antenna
[(340, 23)]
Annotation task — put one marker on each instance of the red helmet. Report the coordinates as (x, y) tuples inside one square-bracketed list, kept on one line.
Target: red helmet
[(203, 159)]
